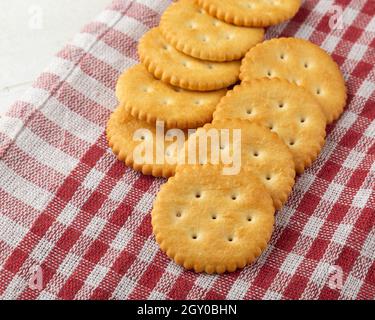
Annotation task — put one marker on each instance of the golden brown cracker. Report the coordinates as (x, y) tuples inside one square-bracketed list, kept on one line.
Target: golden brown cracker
[(192, 31), (173, 67), (260, 151), (210, 222), (125, 134), (149, 99), (255, 13), (301, 62), (285, 108)]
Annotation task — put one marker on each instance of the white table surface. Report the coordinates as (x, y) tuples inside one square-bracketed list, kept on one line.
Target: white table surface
[(31, 33)]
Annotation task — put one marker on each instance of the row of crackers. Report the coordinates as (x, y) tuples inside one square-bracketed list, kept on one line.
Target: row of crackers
[(190, 65)]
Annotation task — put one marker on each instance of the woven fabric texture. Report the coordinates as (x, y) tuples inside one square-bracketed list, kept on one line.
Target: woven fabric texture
[(70, 211)]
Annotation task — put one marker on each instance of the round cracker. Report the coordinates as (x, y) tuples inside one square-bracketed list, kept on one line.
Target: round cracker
[(303, 63), (255, 13), (150, 100), (262, 152), (210, 222), (287, 109), (189, 29), (176, 68), (123, 138)]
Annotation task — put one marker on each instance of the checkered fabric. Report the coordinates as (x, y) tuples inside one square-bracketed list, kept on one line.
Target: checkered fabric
[(69, 208)]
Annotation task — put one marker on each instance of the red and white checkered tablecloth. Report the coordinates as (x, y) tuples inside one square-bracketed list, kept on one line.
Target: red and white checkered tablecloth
[(73, 212)]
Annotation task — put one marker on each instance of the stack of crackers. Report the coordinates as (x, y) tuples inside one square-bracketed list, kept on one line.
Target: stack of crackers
[(209, 217)]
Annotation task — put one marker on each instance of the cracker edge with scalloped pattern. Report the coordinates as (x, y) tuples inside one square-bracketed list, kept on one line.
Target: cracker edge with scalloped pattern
[(142, 115), (191, 264), (290, 176), (169, 123), (201, 53), (181, 82), (251, 21), (315, 150), (334, 115), (146, 169)]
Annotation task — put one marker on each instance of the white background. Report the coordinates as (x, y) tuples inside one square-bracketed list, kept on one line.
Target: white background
[(31, 32)]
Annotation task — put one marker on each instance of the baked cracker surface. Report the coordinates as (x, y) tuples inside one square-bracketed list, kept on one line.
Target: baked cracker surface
[(255, 13), (194, 32), (149, 99), (262, 153), (286, 109), (123, 139), (303, 63), (178, 69), (210, 222)]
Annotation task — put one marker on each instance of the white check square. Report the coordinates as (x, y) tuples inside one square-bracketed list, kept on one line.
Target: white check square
[(291, 263)]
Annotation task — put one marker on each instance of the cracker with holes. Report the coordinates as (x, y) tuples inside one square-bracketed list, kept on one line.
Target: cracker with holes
[(189, 29), (135, 143), (210, 222), (242, 146), (301, 62), (285, 108), (149, 99), (180, 70), (255, 13)]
